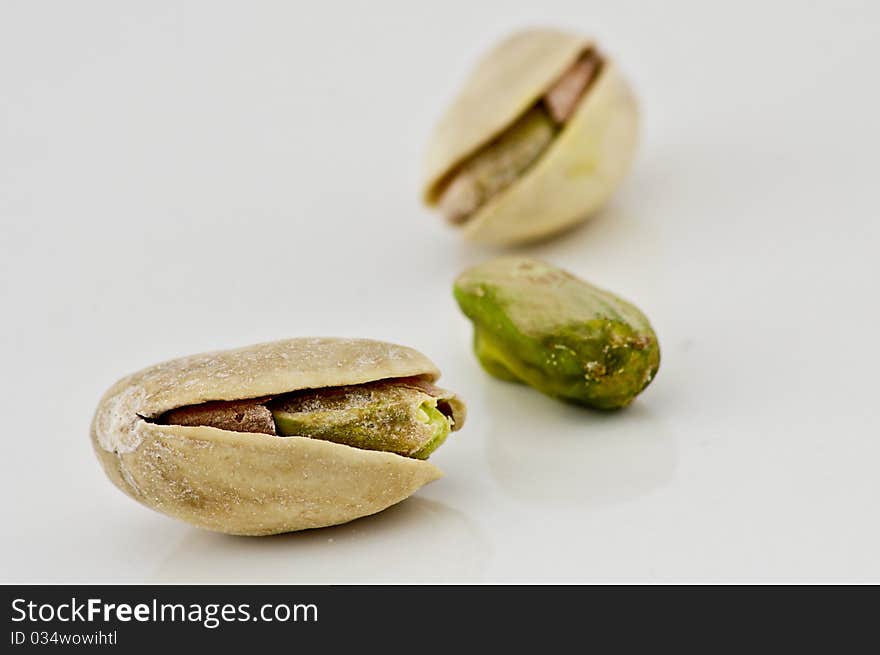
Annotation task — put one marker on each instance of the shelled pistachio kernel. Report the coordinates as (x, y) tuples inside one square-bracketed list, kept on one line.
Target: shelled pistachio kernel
[(538, 324)]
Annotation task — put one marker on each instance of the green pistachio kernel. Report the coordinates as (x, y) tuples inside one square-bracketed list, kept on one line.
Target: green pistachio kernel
[(540, 325), (439, 425), (389, 415), (498, 165)]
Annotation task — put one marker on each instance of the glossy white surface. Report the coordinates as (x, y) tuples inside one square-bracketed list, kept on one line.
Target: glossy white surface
[(183, 178)]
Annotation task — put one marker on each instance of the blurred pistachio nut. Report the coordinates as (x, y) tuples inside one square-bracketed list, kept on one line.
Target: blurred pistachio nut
[(537, 324), (276, 437), (539, 138)]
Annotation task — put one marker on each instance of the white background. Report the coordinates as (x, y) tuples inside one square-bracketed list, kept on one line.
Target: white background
[(180, 177)]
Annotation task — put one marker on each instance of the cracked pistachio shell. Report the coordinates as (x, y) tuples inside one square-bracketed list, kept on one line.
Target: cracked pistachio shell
[(252, 483), (537, 324), (580, 169)]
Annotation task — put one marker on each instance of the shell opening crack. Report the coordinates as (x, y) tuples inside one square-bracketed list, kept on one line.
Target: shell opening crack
[(408, 416), (510, 155)]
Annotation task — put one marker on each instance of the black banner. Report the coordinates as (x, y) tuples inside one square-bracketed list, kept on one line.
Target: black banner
[(129, 618)]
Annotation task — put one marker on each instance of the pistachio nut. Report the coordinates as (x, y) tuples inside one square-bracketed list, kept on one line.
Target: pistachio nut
[(276, 437), (540, 325), (540, 136)]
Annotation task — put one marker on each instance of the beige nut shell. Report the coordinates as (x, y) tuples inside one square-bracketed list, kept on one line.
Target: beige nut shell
[(255, 484), (582, 167)]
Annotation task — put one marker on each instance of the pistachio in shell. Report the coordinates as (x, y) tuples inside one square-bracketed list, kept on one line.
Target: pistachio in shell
[(540, 325), (539, 138), (276, 437)]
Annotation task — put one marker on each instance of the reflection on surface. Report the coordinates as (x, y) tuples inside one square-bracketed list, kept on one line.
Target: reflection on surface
[(417, 540), (541, 449)]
